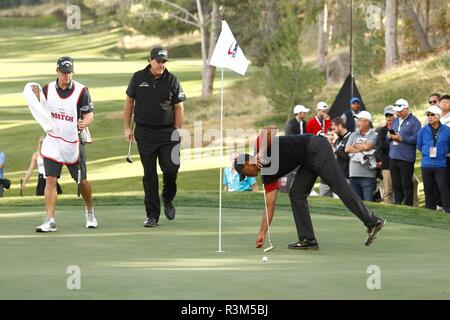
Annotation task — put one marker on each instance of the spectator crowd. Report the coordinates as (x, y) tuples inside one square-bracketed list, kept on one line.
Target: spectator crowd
[(379, 162)]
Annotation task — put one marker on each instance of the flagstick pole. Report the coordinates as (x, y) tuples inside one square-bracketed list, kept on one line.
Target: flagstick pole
[(220, 162)]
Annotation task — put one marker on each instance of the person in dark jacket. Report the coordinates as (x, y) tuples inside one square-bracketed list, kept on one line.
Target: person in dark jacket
[(383, 154), (433, 141), (339, 128), (349, 115), (297, 125), (402, 152), (155, 97)]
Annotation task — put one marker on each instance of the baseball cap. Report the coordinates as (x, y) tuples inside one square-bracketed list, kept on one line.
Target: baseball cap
[(65, 64), (434, 109), (355, 99), (364, 115), (299, 108), (322, 106), (159, 54), (389, 110), (400, 104), (239, 164)]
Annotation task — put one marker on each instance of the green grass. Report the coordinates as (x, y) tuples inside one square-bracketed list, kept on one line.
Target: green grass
[(48, 21), (178, 260)]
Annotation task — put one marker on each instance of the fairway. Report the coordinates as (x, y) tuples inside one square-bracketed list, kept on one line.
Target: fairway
[(178, 260)]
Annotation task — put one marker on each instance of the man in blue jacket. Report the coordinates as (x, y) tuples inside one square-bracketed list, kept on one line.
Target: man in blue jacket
[(402, 152), (433, 141)]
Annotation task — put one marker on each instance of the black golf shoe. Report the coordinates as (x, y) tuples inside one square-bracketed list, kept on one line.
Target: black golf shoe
[(305, 244), (373, 231), (169, 210), (150, 222)]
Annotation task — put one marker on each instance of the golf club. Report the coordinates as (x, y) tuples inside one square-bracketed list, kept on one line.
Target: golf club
[(270, 247), (21, 184), (82, 112), (129, 160)]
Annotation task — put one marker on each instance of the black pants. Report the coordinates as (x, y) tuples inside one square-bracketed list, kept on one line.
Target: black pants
[(448, 172), (432, 177), (322, 163), (40, 188), (156, 144), (401, 174)]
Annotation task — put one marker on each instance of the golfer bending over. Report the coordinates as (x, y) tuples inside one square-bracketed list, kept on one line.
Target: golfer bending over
[(279, 156)]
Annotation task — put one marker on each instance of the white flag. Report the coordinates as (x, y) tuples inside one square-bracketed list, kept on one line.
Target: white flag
[(227, 53)]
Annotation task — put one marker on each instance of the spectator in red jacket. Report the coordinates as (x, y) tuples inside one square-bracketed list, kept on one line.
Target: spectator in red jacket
[(321, 122)]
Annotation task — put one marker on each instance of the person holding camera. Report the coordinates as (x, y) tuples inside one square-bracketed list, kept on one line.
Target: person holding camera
[(72, 111), (402, 152)]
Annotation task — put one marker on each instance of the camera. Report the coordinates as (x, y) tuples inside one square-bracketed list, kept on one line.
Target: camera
[(6, 183)]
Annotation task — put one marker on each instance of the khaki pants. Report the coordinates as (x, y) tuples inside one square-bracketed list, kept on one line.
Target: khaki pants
[(387, 186)]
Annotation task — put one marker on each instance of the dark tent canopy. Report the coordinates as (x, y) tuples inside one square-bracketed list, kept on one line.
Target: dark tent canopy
[(342, 101)]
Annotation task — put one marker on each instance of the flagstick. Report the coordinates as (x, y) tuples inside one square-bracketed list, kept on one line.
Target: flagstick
[(220, 164)]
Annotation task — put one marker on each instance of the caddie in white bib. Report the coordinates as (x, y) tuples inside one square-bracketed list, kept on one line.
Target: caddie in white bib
[(61, 144)]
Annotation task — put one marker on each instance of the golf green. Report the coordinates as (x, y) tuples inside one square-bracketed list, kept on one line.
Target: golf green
[(178, 259)]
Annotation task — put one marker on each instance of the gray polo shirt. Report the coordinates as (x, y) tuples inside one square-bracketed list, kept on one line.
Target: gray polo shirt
[(357, 169)]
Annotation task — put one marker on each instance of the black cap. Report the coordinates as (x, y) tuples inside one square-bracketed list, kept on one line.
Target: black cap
[(159, 54), (239, 164), (65, 64)]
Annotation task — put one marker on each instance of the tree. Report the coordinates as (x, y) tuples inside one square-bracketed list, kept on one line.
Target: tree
[(390, 36), (288, 81), (167, 18), (254, 23), (419, 31), (322, 37)]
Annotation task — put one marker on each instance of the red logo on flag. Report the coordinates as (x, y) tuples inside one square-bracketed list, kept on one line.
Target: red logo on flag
[(232, 52)]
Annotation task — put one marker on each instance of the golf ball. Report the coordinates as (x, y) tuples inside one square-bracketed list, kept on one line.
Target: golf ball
[(265, 259)]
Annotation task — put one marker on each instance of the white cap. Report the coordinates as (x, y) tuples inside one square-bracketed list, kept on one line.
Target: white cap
[(400, 104), (389, 110), (363, 115), (434, 109), (299, 108), (322, 106)]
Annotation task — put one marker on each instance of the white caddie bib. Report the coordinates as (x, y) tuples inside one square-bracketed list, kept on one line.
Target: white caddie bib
[(62, 144)]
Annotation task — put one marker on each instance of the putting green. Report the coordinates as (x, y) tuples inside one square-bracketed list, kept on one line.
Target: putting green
[(178, 260)]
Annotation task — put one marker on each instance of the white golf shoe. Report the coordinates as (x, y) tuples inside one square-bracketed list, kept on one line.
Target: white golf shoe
[(91, 221), (47, 226)]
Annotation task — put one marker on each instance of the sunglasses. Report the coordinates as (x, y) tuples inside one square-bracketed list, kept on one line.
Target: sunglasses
[(429, 114), (388, 115), (433, 101)]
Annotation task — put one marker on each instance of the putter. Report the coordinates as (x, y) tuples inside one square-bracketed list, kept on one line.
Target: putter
[(129, 160), (270, 247), (82, 112), (21, 184)]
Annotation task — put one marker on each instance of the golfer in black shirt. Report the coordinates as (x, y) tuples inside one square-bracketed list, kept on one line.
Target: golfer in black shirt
[(315, 157), (157, 98)]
